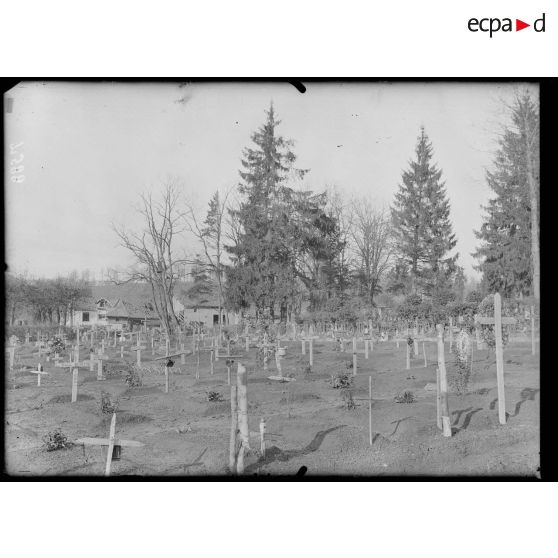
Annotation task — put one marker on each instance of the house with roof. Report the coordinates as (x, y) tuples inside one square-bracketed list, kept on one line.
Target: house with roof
[(199, 303), (117, 306)]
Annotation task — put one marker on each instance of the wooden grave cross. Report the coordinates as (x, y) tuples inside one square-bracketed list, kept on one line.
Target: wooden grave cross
[(169, 363), (497, 321), (114, 444), (39, 373)]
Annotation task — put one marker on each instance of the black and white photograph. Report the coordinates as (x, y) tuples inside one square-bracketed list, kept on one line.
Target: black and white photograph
[(248, 279)]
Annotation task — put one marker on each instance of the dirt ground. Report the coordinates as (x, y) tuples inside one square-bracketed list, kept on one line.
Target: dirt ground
[(307, 421)]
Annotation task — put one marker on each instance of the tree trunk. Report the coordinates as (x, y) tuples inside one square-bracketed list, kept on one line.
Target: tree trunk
[(535, 255)]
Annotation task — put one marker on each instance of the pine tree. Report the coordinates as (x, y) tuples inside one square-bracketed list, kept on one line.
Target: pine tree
[(508, 254), (422, 228), (263, 270)]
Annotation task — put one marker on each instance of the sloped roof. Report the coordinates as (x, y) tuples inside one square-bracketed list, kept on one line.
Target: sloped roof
[(192, 295)]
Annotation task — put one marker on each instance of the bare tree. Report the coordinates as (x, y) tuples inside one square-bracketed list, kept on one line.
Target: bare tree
[(372, 245), (210, 234), (153, 249)]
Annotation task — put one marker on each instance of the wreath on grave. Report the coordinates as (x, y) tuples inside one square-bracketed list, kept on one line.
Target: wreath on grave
[(56, 346), (486, 308)]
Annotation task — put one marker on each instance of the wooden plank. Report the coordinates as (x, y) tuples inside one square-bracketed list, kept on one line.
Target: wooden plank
[(499, 358), (74, 385), (281, 378), (370, 407), (105, 442), (110, 444), (483, 320)]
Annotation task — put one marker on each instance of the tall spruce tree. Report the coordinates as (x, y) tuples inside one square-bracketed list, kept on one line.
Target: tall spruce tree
[(263, 268), (508, 254), (422, 228)]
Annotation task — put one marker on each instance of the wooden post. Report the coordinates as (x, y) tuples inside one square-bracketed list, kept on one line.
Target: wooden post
[(228, 374), (102, 346), (234, 429), (152, 345), (74, 385), (311, 348), (408, 355), (121, 351), (99, 369), (499, 358), (91, 362), (198, 366), (450, 334), (166, 378), (370, 407), (303, 346), (397, 338), (211, 360), (262, 437), (532, 330), (354, 356), (138, 356), (438, 400), (415, 340), (12, 357), (424, 353), (111, 444), (366, 348), (446, 425), (241, 382)]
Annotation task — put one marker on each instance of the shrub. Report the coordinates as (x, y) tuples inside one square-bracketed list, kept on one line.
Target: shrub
[(107, 406), (56, 440), (347, 397), (133, 378), (407, 397), (214, 396), (341, 381)]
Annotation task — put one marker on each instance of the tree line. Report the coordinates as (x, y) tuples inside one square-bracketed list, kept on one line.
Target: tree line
[(272, 248)]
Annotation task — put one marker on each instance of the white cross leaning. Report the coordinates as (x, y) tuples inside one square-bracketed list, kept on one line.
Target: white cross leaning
[(498, 321), (112, 442)]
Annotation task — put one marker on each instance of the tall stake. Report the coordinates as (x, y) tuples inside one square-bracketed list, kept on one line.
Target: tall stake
[(354, 356), (446, 425), (234, 429), (499, 358), (532, 330), (74, 385), (424, 353), (111, 444), (241, 382), (370, 407), (408, 355), (311, 347)]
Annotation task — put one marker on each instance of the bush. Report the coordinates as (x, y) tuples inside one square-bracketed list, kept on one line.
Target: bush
[(56, 440), (347, 397), (214, 396), (133, 378), (342, 381), (407, 397), (107, 406)]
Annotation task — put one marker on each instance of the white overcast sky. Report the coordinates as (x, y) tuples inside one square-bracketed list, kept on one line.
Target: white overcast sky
[(91, 149)]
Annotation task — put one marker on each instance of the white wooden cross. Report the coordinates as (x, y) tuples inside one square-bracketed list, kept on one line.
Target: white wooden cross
[(39, 372), (112, 442), (498, 321)]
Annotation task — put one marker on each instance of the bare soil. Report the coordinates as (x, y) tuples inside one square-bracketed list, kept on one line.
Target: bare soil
[(308, 423)]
